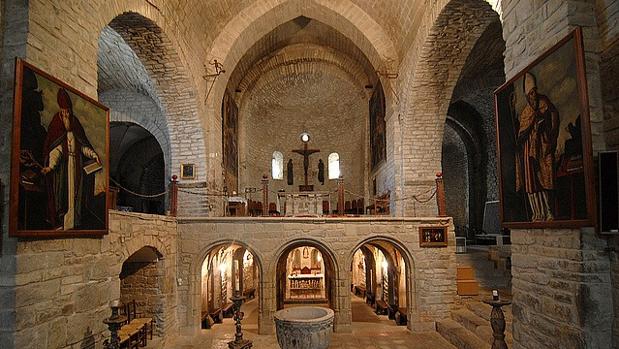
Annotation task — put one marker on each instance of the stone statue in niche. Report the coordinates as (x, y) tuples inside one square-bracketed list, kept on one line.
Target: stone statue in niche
[(321, 172), (289, 172)]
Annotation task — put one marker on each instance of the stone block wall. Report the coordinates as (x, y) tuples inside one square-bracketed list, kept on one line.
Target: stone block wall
[(274, 114), (430, 273), (569, 287), (60, 291), (456, 176), (139, 282)]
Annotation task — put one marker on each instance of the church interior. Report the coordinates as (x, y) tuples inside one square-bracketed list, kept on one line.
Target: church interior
[(434, 173)]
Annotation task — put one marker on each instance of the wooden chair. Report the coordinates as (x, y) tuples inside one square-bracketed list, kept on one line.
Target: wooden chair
[(381, 307), (360, 206), (273, 209), (325, 206)]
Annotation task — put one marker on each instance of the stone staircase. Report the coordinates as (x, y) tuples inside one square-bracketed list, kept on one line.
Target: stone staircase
[(469, 326)]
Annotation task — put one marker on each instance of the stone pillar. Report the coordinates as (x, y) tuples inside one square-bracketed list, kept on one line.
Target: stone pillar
[(340, 196), (561, 277)]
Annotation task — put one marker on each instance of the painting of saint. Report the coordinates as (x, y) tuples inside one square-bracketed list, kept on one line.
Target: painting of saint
[(377, 126), (59, 162), (230, 114), (544, 141)]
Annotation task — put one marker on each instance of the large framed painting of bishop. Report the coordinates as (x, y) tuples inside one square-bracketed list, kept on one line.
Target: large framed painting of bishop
[(544, 142), (59, 159)]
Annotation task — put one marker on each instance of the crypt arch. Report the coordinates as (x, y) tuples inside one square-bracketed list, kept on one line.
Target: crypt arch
[(383, 242), (168, 84), (144, 283), (196, 281), (277, 271), (432, 75)]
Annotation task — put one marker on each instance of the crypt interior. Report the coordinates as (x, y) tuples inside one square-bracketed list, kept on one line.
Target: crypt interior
[(337, 154)]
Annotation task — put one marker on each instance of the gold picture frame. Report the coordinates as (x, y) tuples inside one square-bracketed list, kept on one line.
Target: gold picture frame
[(188, 171)]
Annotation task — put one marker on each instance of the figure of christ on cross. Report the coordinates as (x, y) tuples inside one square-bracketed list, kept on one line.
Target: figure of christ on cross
[(306, 153)]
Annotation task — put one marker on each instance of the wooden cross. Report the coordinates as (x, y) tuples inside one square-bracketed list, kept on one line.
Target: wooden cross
[(306, 153)]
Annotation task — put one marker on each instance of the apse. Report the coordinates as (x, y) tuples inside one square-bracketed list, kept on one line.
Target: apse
[(304, 77)]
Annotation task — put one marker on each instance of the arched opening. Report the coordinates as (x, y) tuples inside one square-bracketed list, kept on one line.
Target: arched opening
[(379, 284), (137, 167), (143, 288), (305, 275), (229, 269)]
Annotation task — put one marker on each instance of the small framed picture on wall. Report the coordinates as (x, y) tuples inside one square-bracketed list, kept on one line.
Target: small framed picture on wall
[(188, 171), (433, 236)]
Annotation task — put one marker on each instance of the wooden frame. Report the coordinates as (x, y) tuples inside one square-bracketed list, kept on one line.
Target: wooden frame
[(41, 179), (188, 171), (544, 151), (433, 236)]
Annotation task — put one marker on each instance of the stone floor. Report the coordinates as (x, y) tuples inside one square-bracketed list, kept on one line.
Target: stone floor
[(369, 331)]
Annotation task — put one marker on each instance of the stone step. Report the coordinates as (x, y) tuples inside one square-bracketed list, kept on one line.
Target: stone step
[(478, 326), (459, 336)]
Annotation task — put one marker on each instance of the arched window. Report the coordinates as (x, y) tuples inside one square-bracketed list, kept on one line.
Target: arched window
[(334, 166), (277, 165)]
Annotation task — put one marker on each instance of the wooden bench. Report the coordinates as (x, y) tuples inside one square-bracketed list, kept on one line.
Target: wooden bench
[(217, 315), (369, 298), (207, 321), (381, 307), (137, 328), (228, 310), (393, 308), (400, 317), (360, 291), (250, 293)]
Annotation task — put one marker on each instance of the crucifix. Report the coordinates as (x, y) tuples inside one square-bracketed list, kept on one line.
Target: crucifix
[(306, 153)]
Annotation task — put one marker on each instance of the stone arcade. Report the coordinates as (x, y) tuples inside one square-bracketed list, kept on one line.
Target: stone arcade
[(390, 91)]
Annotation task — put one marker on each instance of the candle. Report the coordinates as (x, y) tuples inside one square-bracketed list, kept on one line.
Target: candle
[(495, 295)]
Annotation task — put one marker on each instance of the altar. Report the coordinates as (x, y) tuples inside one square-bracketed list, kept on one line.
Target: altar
[(306, 286), (304, 203)]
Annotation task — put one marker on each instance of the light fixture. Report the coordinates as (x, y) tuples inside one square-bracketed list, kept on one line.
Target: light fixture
[(305, 136)]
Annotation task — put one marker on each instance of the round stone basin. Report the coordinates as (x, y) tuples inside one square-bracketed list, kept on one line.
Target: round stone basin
[(304, 327)]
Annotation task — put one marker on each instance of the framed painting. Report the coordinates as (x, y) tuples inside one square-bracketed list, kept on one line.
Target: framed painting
[(433, 236), (187, 171), (230, 131), (378, 127), (544, 142), (59, 159)]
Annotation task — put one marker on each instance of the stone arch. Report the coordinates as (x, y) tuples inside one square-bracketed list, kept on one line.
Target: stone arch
[(465, 121), (304, 53), (175, 94), (257, 20), (328, 257), (143, 112), (409, 261), (131, 246), (431, 78), (193, 313)]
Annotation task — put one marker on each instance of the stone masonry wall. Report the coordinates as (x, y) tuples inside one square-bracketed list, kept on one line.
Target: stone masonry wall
[(315, 97), (141, 284), (431, 273), (456, 176), (561, 278), (62, 288)]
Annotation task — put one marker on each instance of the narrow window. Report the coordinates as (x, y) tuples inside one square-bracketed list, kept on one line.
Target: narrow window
[(277, 165), (334, 166)]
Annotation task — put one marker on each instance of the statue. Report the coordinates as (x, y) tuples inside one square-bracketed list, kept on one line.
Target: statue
[(321, 172), (289, 172)]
